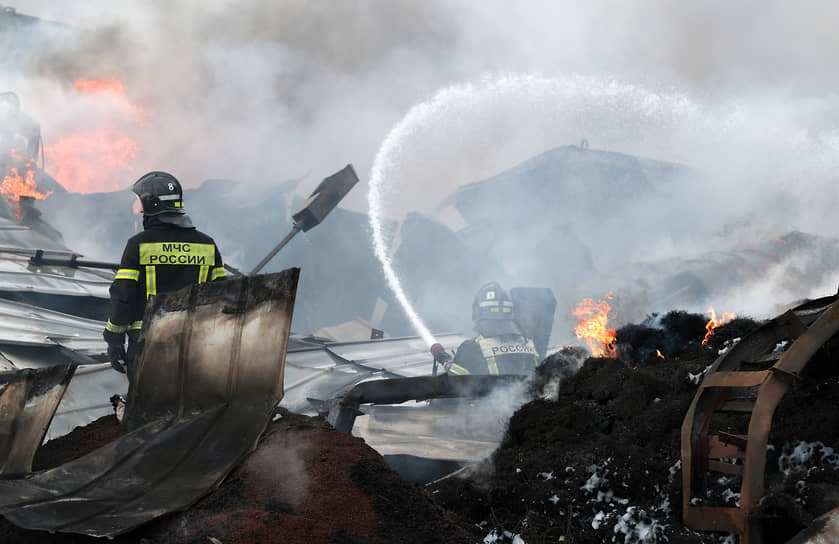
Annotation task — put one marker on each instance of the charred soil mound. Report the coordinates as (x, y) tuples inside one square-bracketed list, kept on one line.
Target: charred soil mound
[(304, 483), (594, 458), (601, 462)]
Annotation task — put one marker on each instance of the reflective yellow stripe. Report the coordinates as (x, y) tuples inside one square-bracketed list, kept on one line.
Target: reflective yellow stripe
[(217, 274), (127, 274), (179, 204), (136, 326), (177, 253), (115, 328), (151, 281), (457, 369), (203, 272), (492, 366)]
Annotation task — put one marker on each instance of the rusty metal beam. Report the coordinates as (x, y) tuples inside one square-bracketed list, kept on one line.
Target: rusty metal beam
[(729, 378), (700, 451)]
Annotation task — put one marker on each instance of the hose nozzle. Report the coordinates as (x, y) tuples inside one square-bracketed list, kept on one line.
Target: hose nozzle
[(440, 354)]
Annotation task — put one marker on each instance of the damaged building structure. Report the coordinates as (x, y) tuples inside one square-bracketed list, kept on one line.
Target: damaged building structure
[(55, 305), (225, 439)]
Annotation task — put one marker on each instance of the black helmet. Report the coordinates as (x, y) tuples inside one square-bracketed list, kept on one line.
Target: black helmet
[(159, 193), (492, 310), (162, 197)]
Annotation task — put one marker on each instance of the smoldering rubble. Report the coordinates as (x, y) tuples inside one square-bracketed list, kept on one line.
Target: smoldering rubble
[(597, 460)]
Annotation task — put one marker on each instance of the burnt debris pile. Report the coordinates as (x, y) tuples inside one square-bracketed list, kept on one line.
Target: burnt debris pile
[(600, 462), (595, 457), (304, 483)]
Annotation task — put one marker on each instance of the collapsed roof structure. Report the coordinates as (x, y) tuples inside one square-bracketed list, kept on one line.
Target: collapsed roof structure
[(53, 305)]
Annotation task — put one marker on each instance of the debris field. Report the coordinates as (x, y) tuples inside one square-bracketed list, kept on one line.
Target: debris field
[(594, 457)]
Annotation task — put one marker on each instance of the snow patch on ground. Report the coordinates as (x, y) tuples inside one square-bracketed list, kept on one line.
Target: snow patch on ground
[(728, 345), (496, 537), (696, 378), (675, 471), (597, 478), (729, 495), (629, 524), (598, 519), (638, 527), (806, 456)]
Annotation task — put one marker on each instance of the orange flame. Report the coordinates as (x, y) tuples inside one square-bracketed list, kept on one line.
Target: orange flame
[(658, 354), (781, 240), (88, 163), (15, 186), (593, 317), (713, 323), (99, 158), (113, 90)]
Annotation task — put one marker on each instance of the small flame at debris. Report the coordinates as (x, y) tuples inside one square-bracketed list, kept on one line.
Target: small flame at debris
[(713, 323), (593, 317), (781, 240), (658, 354), (114, 91), (15, 186)]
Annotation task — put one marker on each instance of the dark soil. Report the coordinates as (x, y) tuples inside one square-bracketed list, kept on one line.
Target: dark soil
[(80, 441), (305, 483), (595, 457), (602, 463)]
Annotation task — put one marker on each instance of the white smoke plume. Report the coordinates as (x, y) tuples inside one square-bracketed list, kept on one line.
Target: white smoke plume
[(265, 91)]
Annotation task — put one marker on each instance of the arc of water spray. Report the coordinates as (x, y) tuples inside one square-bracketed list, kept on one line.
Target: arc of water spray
[(463, 96)]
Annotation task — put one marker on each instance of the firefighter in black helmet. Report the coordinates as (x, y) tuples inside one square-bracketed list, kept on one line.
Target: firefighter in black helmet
[(500, 347), (169, 254)]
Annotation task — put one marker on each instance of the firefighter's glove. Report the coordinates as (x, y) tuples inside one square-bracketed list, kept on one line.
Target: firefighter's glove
[(116, 350), (441, 357)]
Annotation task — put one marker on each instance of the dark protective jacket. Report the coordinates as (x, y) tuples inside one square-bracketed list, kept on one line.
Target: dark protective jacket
[(162, 258), (507, 354)]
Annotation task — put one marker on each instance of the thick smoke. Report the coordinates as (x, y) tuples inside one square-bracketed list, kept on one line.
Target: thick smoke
[(267, 91)]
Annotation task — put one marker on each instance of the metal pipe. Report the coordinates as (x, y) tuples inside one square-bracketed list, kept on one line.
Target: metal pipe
[(274, 251), (73, 262)]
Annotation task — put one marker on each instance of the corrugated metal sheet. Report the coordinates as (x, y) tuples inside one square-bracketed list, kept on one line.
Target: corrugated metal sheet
[(319, 370), (23, 324), (17, 275), (202, 392), (19, 243)]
